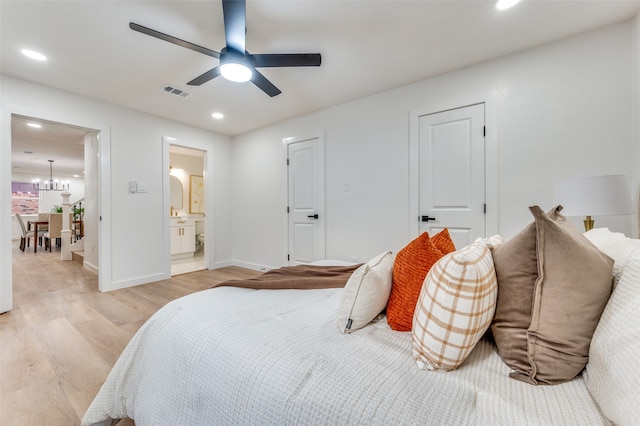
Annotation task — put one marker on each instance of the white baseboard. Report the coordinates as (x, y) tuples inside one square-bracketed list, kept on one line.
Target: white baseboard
[(91, 267), (253, 266), (223, 264), (117, 285)]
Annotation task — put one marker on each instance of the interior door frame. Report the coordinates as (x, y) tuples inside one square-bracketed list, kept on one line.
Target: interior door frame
[(103, 163), (208, 200), (319, 135), (490, 158)]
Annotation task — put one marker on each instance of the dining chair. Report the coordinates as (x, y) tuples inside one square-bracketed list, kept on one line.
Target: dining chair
[(25, 236), (55, 229), (43, 217)]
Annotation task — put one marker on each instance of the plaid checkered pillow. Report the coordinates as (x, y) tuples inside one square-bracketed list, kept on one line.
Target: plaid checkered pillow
[(455, 307)]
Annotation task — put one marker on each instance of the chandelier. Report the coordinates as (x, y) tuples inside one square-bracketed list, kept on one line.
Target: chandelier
[(51, 184)]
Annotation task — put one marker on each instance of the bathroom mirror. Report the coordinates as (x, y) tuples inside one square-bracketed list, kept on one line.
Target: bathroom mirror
[(176, 192)]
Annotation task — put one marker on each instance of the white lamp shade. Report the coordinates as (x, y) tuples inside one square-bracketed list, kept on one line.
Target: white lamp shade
[(594, 196)]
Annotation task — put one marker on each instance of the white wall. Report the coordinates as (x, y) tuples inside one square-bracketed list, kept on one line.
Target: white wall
[(561, 111), (91, 203), (131, 230)]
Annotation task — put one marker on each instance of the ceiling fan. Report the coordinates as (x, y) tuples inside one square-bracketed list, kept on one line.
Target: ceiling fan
[(236, 64)]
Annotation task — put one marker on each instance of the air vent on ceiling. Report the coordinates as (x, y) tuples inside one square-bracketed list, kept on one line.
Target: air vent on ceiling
[(176, 91)]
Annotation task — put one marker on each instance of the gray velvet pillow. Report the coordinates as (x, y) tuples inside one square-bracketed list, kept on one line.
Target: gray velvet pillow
[(553, 285)]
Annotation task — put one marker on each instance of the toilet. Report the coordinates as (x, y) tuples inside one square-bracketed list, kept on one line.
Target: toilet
[(200, 242), (199, 235)]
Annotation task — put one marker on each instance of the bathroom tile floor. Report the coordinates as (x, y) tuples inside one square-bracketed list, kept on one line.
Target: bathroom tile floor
[(184, 266)]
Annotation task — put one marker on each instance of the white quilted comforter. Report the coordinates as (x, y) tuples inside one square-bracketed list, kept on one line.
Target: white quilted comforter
[(232, 356)]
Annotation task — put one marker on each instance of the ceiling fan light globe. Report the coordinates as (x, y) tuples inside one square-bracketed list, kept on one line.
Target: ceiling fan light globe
[(238, 73), (506, 4)]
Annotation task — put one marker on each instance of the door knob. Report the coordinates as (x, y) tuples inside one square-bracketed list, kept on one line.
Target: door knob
[(313, 216), (426, 218)]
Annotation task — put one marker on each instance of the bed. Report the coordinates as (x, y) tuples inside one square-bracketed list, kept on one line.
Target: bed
[(233, 355)]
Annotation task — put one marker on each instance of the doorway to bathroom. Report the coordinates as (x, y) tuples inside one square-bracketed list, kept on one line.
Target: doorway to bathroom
[(187, 209)]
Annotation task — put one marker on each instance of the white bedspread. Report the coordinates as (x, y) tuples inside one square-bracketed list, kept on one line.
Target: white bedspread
[(231, 356)]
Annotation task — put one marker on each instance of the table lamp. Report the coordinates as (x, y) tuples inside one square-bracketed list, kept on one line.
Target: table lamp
[(594, 196)]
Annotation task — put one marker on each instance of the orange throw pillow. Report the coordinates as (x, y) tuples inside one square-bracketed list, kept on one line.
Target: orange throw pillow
[(410, 268), (442, 241)]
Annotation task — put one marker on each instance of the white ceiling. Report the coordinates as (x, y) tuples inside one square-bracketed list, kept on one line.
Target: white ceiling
[(367, 46), (31, 148)]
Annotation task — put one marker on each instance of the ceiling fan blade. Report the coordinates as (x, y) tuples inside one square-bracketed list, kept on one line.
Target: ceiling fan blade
[(174, 40), (235, 24), (264, 84), (287, 60), (209, 75)]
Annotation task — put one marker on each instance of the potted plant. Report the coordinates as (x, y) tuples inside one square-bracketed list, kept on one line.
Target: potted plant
[(78, 212)]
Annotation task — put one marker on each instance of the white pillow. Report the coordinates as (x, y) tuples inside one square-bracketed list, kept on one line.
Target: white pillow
[(366, 293), (455, 307), (615, 245), (613, 370)]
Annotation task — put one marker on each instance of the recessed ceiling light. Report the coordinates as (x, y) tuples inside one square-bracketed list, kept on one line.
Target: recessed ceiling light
[(218, 115), (76, 176), (34, 125), (33, 55), (506, 4)]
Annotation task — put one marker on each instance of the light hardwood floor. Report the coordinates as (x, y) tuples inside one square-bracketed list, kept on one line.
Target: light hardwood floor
[(62, 337)]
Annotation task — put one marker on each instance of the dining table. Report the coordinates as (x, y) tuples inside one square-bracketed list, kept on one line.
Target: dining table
[(36, 224)]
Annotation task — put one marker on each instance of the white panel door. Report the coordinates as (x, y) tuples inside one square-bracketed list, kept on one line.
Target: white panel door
[(305, 159), (452, 173)]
